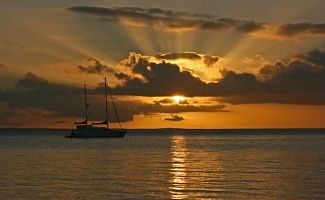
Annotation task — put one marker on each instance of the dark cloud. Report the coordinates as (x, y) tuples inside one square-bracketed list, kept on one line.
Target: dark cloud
[(270, 71), (299, 81), (184, 102), (164, 101), (233, 83), (166, 79), (210, 60), (181, 55), (167, 19), (207, 59), (34, 83), (34, 93), (171, 101), (162, 12), (161, 79), (296, 76), (238, 25), (72, 106), (93, 66), (294, 29), (175, 118), (127, 109), (316, 57), (183, 21), (119, 11)]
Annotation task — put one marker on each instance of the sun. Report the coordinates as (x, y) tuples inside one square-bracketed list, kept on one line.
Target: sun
[(178, 98)]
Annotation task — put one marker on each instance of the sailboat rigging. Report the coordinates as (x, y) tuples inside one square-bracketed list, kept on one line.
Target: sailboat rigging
[(85, 130)]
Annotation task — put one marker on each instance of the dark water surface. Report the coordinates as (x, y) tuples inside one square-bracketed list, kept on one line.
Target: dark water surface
[(169, 164)]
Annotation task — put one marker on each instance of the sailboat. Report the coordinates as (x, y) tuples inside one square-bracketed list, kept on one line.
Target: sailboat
[(85, 129)]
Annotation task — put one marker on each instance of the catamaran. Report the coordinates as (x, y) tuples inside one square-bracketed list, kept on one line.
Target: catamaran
[(85, 129)]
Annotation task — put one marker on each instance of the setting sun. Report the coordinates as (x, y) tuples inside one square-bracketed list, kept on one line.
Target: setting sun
[(178, 98)]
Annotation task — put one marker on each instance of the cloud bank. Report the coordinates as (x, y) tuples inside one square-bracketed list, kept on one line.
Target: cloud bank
[(93, 66), (175, 118), (174, 21), (34, 93), (300, 81), (208, 60), (166, 19)]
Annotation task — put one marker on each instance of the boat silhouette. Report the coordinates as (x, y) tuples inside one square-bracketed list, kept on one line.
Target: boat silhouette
[(85, 129)]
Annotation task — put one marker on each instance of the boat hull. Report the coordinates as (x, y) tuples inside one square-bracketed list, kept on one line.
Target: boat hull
[(97, 133)]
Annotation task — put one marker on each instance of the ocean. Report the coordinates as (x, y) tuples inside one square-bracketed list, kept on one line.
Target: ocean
[(164, 164)]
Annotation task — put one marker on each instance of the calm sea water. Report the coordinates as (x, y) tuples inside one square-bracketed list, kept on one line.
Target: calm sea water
[(163, 165)]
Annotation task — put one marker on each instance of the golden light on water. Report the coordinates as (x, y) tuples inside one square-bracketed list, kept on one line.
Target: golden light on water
[(177, 172)]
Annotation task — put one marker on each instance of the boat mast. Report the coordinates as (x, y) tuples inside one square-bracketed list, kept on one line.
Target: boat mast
[(86, 105), (110, 94), (106, 103)]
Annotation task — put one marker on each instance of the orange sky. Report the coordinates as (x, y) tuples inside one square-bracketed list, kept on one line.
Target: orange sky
[(252, 64)]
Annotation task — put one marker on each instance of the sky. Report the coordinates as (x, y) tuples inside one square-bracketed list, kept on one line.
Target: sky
[(169, 64)]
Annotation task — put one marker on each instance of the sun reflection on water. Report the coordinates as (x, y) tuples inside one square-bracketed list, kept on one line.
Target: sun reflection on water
[(178, 153)]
